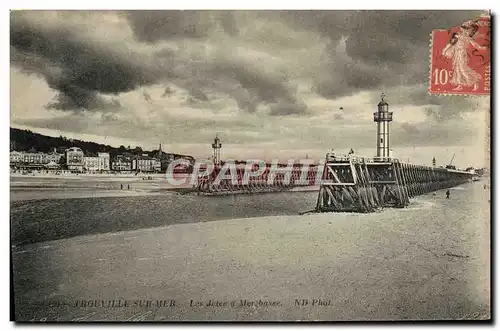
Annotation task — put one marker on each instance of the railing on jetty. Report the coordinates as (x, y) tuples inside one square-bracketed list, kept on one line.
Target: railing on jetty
[(220, 181), (352, 183)]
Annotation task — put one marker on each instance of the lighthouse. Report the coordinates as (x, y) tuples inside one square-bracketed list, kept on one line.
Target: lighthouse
[(383, 117), (216, 146)]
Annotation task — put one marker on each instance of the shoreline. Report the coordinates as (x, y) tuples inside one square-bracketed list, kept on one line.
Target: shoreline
[(31, 193), (44, 193), (104, 177), (420, 203), (62, 187), (396, 265)]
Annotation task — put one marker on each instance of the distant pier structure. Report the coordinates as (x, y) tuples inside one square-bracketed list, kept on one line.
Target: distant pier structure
[(235, 177), (216, 146), (352, 183)]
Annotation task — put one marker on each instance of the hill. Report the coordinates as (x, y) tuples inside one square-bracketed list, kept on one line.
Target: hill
[(25, 140)]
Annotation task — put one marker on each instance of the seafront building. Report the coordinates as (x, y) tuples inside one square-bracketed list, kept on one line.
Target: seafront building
[(104, 159), (34, 159), (142, 163), (16, 157), (91, 163), (96, 163), (122, 163), (75, 159), (145, 163), (54, 156)]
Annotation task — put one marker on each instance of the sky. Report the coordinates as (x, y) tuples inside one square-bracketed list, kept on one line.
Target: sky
[(271, 84)]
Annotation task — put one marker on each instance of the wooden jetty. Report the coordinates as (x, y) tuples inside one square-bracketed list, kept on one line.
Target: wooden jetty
[(359, 184), (269, 179)]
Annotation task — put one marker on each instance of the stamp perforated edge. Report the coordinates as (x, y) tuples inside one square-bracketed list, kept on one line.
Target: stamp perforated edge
[(431, 44)]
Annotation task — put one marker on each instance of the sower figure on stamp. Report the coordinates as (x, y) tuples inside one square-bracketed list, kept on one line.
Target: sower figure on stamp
[(456, 50)]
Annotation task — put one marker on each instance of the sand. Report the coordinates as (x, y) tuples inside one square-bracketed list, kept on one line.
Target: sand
[(429, 261), (24, 187), (86, 186), (47, 193)]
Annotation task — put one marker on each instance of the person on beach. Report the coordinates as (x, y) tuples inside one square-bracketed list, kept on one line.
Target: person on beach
[(447, 194), (128, 187), (121, 186)]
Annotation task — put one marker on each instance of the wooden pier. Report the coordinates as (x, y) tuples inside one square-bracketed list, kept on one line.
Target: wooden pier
[(358, 184), (266, 181)]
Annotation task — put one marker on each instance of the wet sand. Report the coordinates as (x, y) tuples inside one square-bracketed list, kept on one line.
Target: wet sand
[(428, 261), (72, 187), (22, 194)]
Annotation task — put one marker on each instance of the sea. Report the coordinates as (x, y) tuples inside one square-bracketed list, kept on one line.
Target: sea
[(38, 220)]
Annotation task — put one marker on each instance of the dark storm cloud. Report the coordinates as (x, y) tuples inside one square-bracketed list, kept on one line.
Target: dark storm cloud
[(260, 85), (284, 108), (71, 97), (344, 76), (245, 100), (77, 69), (228, 22), (253, 86), (365, 50), (168, 92), (106, 117), (81, 69), (250, 83), (382, 48), (152, 26), (378, 36), (198, 95)]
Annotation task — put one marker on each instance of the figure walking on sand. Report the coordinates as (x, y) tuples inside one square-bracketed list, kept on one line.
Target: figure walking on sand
[(456, 50), (447, 194)]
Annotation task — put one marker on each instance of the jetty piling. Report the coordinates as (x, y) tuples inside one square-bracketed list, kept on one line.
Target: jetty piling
[(349, 183), (359, 184)]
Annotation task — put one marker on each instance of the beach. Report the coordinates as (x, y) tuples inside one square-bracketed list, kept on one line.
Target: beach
[(428, 261), (25, 187), (250, 165), (88, 186)]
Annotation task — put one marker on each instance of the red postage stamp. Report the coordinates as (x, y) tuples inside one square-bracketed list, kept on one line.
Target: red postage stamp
[(460, 59)]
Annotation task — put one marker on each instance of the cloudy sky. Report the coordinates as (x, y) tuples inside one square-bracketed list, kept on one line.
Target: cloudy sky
[(273, 84)]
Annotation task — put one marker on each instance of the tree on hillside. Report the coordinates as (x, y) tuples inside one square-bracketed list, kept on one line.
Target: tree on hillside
[(26, 140)]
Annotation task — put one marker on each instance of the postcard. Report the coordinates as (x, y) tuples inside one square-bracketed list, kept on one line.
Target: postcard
[(256, 166)]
